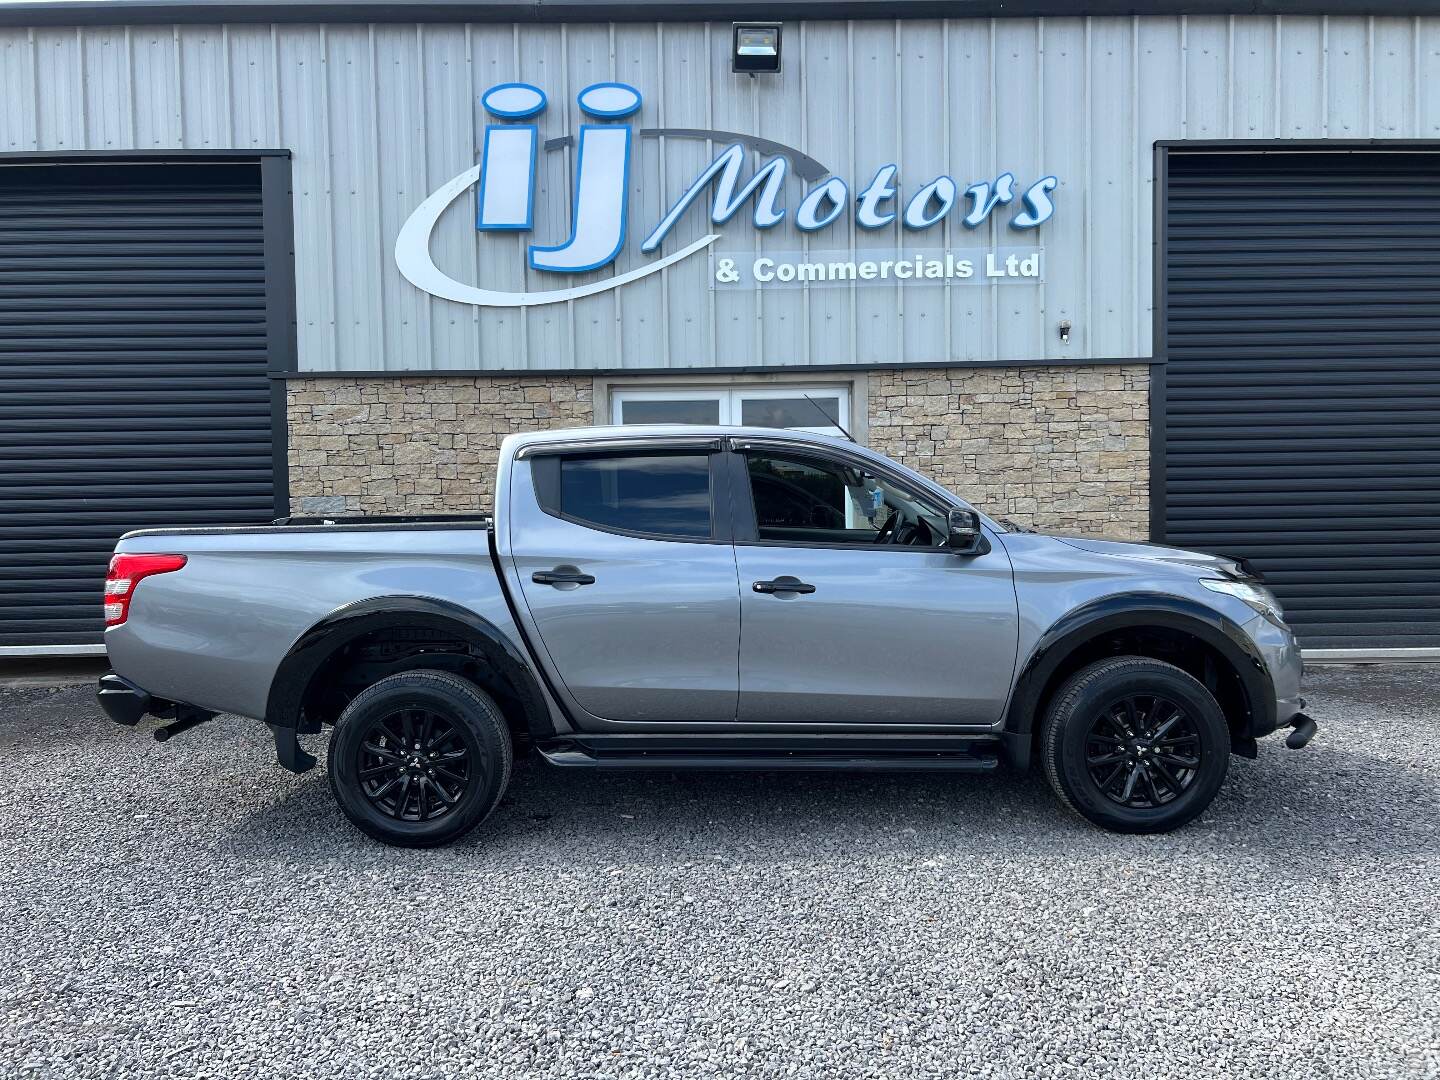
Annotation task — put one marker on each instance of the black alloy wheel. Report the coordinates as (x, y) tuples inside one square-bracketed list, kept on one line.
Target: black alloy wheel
[(1134, 744), (413, 764), (1142, 751), (420, 758)]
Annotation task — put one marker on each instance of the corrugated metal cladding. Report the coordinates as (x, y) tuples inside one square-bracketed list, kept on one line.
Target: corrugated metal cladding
[(379, 116), (1303, 398), (133, 377)]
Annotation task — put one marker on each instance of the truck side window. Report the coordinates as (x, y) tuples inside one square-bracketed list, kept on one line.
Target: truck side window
[(659, 494), (809, 500)]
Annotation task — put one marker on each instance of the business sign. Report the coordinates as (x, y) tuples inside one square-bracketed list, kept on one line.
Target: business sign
[(817, 269), (504, 183)]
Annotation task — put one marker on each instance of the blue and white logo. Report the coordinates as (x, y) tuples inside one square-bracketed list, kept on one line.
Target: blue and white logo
[(599, 219)]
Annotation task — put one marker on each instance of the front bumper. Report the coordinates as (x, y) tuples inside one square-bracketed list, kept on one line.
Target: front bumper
[(1279, 653)]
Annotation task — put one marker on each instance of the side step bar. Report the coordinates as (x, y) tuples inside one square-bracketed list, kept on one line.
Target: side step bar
[(775, 755)]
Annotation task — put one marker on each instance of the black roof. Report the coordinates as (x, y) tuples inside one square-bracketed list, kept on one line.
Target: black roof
[(131, 12)]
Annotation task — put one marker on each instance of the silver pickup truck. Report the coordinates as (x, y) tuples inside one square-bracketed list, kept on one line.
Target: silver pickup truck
[(715, 598)]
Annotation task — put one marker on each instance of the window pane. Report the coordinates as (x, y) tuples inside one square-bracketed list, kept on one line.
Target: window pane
[(670, 412), (795, 494), (785, 412), (810, 500), (668, 494)]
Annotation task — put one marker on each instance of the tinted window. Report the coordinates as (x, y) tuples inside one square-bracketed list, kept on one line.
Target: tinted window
[(816, 501), (795, 494), (667, 494)]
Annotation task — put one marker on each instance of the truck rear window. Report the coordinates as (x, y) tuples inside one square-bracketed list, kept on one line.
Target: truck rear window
[(660, 494)]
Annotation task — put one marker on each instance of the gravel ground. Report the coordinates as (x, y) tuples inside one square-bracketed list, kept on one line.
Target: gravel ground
[(192, 910)]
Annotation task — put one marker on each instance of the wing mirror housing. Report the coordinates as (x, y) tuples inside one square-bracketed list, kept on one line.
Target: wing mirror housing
[(966, 537)]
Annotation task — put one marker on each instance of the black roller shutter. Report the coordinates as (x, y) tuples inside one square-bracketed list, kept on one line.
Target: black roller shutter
[(134, 386), (1301, 415)]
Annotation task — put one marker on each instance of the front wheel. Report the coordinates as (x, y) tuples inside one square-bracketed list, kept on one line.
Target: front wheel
[(419, 758), (1135, 745)]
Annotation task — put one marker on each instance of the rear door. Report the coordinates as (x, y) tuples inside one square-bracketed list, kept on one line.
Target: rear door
[(628, 577), (852, 614)]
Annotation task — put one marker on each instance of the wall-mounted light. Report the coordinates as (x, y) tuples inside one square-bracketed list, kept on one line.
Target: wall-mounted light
[(755, 48), (1064, 331)]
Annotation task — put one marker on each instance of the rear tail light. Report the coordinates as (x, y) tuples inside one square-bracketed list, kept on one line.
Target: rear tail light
[(127, 571)]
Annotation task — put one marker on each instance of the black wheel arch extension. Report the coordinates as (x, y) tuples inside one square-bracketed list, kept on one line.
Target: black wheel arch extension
[(1093, 622), (346, 625)]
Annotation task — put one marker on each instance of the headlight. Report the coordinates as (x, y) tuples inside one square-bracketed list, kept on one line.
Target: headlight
[(1257, 596)]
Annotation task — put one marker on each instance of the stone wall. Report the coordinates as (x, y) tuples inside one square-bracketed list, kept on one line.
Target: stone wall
[(1055, 448), (1061, 448), (416, 445)]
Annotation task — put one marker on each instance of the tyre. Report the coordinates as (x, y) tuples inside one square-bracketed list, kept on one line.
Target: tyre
[(1135, 745), (419, 759)]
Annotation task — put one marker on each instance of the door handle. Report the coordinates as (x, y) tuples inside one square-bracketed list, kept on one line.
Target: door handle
[(783, 585), (562, 575)]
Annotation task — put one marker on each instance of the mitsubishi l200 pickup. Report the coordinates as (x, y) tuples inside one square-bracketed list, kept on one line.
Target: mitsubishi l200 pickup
[(704, 598)]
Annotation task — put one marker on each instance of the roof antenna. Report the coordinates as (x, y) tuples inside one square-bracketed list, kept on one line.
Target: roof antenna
[(832, 419)]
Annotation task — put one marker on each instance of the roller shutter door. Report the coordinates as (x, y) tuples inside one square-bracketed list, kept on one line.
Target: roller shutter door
[(1301, 322), (133, 374)]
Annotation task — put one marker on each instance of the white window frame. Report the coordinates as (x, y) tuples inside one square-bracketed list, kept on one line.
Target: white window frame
[(731, 398)]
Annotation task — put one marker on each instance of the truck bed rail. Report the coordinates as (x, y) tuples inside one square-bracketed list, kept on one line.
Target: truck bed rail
[(337, 523), (474, 519)]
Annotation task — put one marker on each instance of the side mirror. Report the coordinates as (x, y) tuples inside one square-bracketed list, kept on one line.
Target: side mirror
[(966, 538)]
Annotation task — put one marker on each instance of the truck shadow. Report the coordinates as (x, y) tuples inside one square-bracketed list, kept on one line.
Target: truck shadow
[(1299, 814)]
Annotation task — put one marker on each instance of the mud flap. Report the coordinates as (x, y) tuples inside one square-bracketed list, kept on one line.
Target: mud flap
[(288, 750)]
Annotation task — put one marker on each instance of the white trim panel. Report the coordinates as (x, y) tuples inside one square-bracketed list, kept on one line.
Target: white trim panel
[(51, 650), (1321, 657)]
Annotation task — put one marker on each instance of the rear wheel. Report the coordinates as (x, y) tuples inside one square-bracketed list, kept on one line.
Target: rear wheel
[(419, 758), (1135, 745)]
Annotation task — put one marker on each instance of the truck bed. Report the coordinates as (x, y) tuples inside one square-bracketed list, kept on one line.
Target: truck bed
[(214, 632)]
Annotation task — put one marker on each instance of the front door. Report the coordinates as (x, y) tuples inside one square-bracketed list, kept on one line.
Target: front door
[(628, 578), (852, 609)]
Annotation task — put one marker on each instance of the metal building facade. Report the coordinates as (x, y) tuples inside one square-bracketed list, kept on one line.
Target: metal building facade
[(380, 115)]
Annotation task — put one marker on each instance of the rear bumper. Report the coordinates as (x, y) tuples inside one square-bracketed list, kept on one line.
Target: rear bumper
[(126, 703)]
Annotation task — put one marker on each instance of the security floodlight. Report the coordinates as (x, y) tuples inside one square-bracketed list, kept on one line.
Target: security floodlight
[(756, 48)]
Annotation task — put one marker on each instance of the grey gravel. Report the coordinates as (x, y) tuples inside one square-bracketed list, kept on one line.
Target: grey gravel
[(190, 910)]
